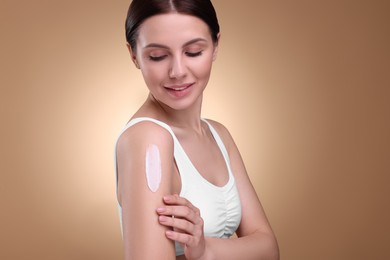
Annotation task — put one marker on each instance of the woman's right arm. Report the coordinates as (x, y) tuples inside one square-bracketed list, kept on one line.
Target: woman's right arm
[(143, 236)]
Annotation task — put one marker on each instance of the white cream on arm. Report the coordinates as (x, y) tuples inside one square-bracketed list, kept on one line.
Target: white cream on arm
[(153, 167)]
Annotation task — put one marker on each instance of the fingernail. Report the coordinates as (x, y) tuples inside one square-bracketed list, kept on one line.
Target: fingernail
[(167, 198), (160, 210), (169, 233)]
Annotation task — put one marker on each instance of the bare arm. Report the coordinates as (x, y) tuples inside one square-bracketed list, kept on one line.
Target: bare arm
[(143, 237), (256, 239)]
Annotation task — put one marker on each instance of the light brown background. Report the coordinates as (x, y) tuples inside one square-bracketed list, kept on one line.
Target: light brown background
[(302, 85)]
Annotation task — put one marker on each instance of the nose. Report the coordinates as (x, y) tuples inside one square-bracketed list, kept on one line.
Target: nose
[(177, 69)]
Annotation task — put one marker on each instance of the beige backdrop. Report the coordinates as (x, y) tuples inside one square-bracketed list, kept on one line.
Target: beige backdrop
[(302, 85)]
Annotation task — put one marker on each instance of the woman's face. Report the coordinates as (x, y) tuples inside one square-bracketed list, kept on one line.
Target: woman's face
[(175, 53)]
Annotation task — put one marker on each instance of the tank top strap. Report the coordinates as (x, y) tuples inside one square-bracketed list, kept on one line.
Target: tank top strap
[(219, 142), (143, 119)]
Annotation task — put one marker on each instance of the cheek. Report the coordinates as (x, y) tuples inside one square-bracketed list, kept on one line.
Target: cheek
[(203, 68), (153, 74)]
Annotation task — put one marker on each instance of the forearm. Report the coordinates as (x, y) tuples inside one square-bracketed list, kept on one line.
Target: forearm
[(259, 246)]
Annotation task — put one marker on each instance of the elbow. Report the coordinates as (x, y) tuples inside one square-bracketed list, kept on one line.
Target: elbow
[(272, 248), (269, 248)]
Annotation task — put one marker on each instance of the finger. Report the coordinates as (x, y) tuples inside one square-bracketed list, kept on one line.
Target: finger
[(182, 238), (181, 225), (181, 212), (177, 200)]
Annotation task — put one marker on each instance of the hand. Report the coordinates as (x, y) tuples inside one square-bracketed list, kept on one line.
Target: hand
[(187, 225)]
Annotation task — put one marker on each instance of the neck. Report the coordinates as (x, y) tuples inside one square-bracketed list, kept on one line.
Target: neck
[(188, 118)]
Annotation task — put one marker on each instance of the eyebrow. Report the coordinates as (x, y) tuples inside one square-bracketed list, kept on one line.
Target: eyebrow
[(157, 45)]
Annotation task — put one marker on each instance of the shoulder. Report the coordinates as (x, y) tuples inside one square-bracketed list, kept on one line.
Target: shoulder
[(223, 132), (132, 150), (142, 134), (219, 127)]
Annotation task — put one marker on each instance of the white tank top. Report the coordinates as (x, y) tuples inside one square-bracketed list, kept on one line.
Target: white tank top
[(219, 207)]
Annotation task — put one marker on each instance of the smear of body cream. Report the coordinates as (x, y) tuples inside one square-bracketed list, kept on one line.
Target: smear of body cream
[(153, 167)]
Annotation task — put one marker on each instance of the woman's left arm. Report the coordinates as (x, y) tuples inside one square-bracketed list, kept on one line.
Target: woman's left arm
[(256, 239)]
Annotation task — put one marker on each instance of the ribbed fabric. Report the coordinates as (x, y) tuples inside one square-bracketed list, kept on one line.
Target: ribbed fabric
[(220, 207)]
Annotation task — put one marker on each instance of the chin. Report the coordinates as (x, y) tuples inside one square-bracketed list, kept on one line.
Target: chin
[(182, 104)]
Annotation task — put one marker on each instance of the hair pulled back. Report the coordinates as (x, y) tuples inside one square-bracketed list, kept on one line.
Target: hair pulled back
[(140, 10)]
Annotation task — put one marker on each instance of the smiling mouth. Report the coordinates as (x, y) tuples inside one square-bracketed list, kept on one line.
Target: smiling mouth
[(179, 88)]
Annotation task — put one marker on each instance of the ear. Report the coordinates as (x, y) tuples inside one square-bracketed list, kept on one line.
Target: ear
[(215, 52), (133, 55)]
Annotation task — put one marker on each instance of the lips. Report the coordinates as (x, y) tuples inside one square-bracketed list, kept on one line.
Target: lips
[(179, 87), (178, 91)]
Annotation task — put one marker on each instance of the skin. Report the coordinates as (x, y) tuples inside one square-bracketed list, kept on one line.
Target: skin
[(177, 51)]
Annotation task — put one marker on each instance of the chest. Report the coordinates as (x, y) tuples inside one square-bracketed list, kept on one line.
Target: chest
[(206, 157)]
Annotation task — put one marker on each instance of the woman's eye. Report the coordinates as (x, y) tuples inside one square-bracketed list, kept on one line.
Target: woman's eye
[(157, 58), (194, 54)]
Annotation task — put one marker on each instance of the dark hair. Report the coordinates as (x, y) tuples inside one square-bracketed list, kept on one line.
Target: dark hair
[(140, 10)]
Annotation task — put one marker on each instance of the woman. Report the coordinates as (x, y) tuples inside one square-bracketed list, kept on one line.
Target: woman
[(182, 185)]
